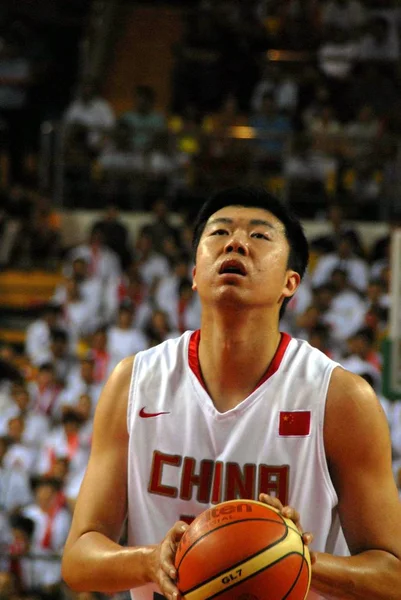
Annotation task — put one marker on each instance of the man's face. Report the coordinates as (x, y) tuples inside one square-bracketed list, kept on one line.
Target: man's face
[(45, 495), (15, 429), (125, 318), (51, 318), (344, 248), (242, 259), (45, 378), (80, 269), (87, 368), (22, 400), (59, 347)]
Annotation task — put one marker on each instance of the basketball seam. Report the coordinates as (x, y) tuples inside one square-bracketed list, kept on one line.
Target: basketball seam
[(253, 575), (232, 523)]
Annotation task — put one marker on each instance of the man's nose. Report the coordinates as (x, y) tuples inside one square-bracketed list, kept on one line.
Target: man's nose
[(236, 244)]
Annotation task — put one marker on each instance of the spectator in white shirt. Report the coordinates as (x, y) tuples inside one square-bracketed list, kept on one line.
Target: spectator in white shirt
[(151, 265), (116, 233), (346, 313), (131, 288), (19, 455), (344, 259), (37, 344), (65, 441), (81, 382), (36, 425), (84, 410), (45, 391), (103, 263), (61, 358), (362, 344), (20, 564), (78, 317), (90, 287), (52, 523), (123, 339), (91, 111), (8, 410), (98, 350), (166, 293), (14, 482), (337, 54)]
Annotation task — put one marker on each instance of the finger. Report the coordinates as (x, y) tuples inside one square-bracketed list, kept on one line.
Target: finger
[(291, 513), (178, 530), (167, 587), (307, 538), (169, 547), (313, 557), (167, 555), (271, 500)]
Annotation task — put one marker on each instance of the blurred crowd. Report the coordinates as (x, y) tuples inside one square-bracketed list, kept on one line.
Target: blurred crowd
[(283, 94), (316, 122)]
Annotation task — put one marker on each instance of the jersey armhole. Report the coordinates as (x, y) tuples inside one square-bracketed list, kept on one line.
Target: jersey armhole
[(321, 448), (131, 393)]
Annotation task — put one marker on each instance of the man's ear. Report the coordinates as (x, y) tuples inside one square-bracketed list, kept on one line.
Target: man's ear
[(194, 286), (293, 279)]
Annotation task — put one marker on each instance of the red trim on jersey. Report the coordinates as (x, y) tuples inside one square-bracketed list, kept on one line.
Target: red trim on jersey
[(193, 357)]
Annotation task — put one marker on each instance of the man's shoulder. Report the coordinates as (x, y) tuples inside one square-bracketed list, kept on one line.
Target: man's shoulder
[(348, 390)]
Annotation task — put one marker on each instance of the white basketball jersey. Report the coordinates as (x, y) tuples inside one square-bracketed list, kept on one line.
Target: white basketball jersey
[(185, 456)]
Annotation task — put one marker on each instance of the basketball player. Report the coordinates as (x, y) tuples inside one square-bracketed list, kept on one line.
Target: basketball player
[(238, 410)]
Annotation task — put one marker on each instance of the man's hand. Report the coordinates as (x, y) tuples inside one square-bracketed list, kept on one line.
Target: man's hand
[(289, 513), (161, 562)]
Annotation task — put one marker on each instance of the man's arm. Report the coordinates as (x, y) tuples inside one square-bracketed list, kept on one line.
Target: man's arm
[(358, 449), (93, 559)]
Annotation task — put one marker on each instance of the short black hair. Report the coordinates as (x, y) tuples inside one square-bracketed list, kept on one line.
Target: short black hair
[(18, 521), (369, 379), (47, 366), (365, 333), (257, 197), (58, 335), (38, 480), (71, 416)]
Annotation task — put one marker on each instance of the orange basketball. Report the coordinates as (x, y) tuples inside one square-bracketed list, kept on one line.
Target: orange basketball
[(242, 550)]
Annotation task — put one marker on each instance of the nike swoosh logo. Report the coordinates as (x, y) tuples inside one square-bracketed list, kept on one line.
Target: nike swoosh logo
[(145, 415)]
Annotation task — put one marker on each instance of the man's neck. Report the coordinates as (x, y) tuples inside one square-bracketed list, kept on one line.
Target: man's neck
[(235, 352)]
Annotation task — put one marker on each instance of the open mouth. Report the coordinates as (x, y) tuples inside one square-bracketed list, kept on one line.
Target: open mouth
[(232, 267)]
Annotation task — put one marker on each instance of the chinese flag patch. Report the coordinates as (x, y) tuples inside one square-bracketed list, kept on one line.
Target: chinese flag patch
[(294, 422)]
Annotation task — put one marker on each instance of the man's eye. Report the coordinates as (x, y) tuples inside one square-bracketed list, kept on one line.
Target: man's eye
[(260, 236), (219, 232)]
